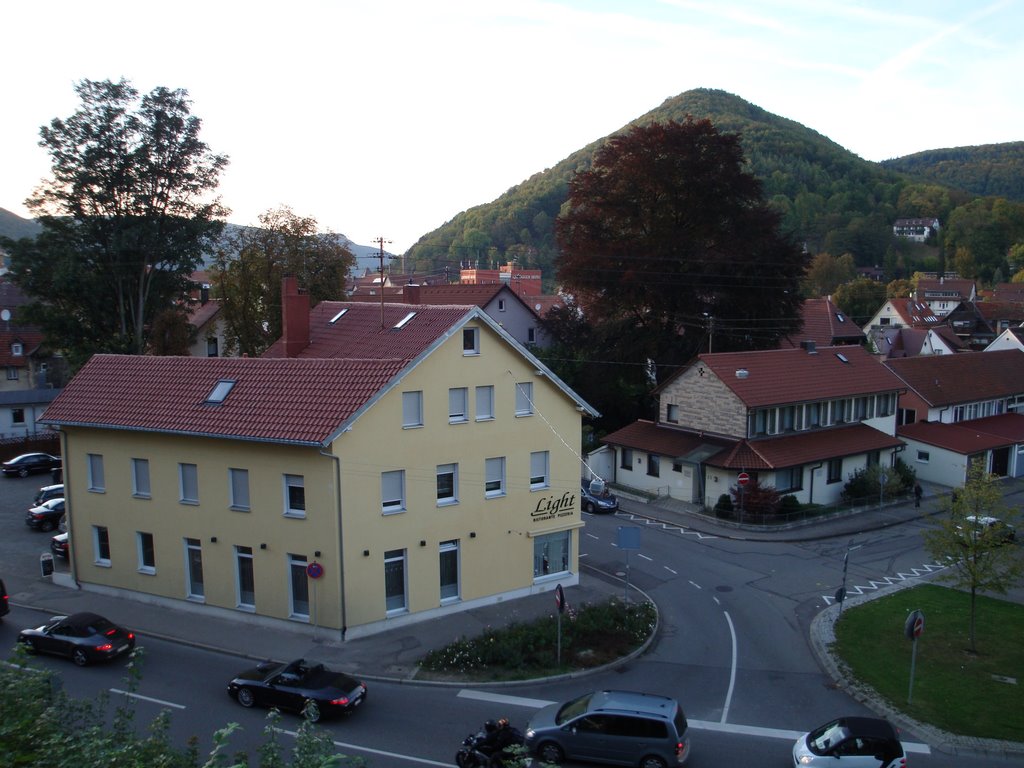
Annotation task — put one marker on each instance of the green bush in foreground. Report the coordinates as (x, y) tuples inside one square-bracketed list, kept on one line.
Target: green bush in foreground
[(954, 689), (593, 635)]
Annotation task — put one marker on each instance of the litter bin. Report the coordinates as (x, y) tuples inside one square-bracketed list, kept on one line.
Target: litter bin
[(46, 564)]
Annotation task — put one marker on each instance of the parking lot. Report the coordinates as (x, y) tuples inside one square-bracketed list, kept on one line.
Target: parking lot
[(21, 546)]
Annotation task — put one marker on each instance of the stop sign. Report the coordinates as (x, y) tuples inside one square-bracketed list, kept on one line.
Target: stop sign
[(742, 478)]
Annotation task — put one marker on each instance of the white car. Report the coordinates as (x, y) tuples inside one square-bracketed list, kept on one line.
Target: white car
[(851, 742)]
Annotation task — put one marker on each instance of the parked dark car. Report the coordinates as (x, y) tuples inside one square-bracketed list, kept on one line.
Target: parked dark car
[(45, 517), (4, 607), (82, 637), (594, 501), (59, 545), (30, 463), (48, 492), (849, 742), (291, 686)]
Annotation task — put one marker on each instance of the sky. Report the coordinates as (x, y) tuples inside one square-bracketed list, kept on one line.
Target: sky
[(385, 119)]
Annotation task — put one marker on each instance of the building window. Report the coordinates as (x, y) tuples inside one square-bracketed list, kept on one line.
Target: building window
[(672, 413), (17, 417), (12, 373), (494, 481), (524, 398), (238, 480), (96, 482), (835, 470), (298, 587), (412, 409), (923, 456), (294, 496), (100, 545), (501, 305), (531, 335), (874, 458), (17, 350), (653, 465), (551, 554), (457, 405), (470, 341), (449, 570), (245, 582), (539, 470), (627, 459), (392, 491), (394, 581), (211, 346), (677, 466), (147, 556), (789, 480), (194, 569), (140, 478), (484, 403), (447, 484), (188, 483)]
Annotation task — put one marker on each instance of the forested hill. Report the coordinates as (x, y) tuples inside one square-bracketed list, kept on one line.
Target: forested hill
[(995, 170), (831, 199)]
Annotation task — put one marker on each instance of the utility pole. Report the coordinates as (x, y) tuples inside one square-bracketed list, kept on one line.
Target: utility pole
[(711, 331), (380, 243)]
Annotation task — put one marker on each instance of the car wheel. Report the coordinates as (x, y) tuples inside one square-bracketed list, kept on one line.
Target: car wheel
[(79, 657), (23, 472), (652, 761), (46, 526), (589, 507), (31, 647), (549, 752), (245, 697), (311, 711)]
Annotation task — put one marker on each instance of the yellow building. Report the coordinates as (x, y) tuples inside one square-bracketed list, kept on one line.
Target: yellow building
[(380, 465)]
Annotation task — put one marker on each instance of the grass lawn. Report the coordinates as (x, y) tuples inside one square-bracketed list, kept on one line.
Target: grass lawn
[(954, 689)]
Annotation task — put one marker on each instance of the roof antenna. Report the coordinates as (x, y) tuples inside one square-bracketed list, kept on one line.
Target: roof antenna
[(380, 242)]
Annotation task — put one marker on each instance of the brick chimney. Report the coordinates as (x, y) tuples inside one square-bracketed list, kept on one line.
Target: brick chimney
[(411, 294), (294, 317)]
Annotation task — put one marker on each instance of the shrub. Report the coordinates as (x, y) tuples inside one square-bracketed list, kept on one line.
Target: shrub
[(789, 504)]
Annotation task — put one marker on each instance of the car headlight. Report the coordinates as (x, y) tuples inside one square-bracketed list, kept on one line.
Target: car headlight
[(805, 759), (530, 733)]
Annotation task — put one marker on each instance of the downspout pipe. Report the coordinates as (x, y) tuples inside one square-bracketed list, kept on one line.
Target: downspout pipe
[(341, 540), (65, 473)]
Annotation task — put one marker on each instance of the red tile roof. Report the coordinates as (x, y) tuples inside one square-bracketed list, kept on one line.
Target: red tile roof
[(805, 448), (914, 313), (781, 376), (824, 324), (283, 400), (967, 437), (200, 314), (647, 436), (30, 339), (359, 332), (965, 378)]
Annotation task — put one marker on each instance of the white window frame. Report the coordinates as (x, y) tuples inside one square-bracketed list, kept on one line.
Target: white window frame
[(244, 554), (101, 545), (191, 593), (96, 480), (17, 417), (458, 405), (289, 482), (449, 549), (396, 556), (524, 398), (295, 564), (545, 549), (412, 409), (470, 342), (446, 470), (188, 482), (392, 491), (485, 403), (238, 488), (494, 477), (140, 550), (140, 479), (540, 470)]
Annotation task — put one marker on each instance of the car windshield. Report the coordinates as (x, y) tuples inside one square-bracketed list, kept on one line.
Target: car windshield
[(823, 739), (574, 708)]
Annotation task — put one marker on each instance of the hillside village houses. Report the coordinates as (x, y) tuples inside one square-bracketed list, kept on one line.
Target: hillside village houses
[(379, 465)]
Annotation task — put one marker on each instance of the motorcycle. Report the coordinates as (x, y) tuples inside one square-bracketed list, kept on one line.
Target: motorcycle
[(471, 754)]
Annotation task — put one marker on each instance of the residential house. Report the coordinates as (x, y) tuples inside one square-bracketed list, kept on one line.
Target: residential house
[(910, 342), (825, 325), (1011, 338), (918, 230), (970, 325), (801, 420), (524, 282), (1000, 314), (944, 294), (897, 313), (962, 408), (377, 467)]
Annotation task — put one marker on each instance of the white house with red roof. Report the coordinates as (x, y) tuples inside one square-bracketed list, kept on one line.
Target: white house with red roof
[(378, 466), (799, 420), (962, 408)]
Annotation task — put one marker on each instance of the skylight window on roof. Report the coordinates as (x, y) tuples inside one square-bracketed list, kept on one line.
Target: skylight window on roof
[(405, 320), (337, 317), (842, 358), (221, 391), (840, 318)]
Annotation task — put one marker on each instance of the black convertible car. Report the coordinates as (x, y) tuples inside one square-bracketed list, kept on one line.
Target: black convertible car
[(291, 686), (82, 637)]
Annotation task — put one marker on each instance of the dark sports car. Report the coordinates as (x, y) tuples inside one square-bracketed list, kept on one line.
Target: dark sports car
[(291, 686), (27, 463), (82, 637)]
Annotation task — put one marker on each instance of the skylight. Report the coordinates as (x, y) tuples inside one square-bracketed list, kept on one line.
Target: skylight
[(405, 320), (337, 317), (842, 358), (221, 391)]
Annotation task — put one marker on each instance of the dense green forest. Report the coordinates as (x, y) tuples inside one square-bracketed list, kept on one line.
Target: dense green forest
[(832, 201), (995, 170)]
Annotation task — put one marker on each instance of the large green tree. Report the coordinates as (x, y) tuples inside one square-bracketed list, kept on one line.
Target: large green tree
[(667, 237), (248, 270), (860, 298), (127, 215)]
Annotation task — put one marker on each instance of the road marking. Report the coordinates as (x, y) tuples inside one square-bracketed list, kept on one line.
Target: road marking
[(695, 584), (674, 573), (592, 536), (500, 698), (147, 698), (887, 581), (382, 752), (732, 672), (645, 557)]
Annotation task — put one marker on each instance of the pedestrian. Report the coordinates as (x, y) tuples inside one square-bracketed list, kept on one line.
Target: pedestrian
[(918, 493)]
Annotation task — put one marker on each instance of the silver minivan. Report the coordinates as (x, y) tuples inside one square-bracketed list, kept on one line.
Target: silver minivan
[(618, 727)]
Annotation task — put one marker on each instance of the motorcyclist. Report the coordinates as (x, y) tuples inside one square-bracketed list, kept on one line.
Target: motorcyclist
[(505, 737)]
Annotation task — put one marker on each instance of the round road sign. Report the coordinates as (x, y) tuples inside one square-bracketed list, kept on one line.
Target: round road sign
[(314, 570), (742, 478)]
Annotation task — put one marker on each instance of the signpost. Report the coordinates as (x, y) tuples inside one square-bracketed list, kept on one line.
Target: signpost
[(560, 602), (913, 629), (314, 571), (741, 482), (629, 538)]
